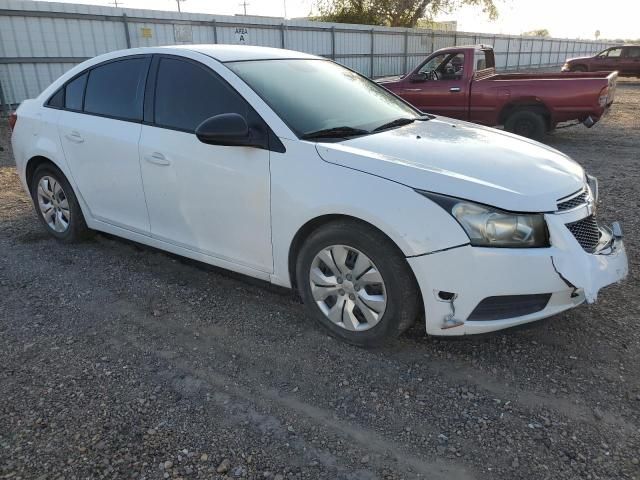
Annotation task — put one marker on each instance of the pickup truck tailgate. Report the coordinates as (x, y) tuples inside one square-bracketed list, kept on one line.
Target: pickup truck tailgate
[(608, 94)]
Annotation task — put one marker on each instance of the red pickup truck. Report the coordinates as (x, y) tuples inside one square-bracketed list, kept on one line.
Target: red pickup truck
[(461, 82)]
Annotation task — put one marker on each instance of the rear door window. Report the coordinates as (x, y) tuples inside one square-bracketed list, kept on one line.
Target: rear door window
[(74, 93), (633, 52), (187, 94), (116, 89)]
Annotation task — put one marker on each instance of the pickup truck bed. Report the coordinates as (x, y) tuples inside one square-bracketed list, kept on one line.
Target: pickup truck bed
[(461, 83)]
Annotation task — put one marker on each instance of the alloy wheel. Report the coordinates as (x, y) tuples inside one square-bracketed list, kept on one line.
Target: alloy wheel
[(53, 204)]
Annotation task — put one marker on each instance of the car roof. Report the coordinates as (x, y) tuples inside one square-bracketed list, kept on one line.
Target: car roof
[(235, 53)]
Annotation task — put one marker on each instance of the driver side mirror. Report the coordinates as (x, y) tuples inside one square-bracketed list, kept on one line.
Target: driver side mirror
[(418, 77), (230, 129)]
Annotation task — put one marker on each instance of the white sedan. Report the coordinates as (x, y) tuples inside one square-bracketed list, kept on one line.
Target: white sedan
[(293, 169)]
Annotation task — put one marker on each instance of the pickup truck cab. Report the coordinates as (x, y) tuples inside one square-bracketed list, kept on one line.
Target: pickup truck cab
[(461, 82), (625, 59)]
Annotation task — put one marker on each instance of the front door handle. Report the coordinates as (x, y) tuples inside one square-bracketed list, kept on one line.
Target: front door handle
[(157, 159), (454, 89), (74, 137)]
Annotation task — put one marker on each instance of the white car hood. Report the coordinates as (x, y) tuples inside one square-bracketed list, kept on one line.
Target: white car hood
[(465, 161)]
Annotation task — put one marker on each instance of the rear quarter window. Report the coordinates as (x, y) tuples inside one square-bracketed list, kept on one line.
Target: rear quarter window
[(74, 93), (57, 99)]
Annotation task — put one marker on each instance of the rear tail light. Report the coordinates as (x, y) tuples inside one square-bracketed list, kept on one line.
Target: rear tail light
[(13, 119), (604, 96)]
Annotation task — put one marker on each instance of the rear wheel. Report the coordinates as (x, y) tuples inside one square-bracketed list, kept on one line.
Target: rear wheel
[(56, 204), (356, 284), (526, 123)]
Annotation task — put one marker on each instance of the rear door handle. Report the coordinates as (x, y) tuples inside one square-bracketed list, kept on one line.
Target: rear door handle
[(74, 137), (157, 159), (454, 89)]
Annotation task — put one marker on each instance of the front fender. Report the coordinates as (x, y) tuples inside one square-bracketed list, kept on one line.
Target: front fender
[(414, 223)]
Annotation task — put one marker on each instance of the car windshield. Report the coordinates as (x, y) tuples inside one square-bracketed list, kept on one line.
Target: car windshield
[(313, 96)]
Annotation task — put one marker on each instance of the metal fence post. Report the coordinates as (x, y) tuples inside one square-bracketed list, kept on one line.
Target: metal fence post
[(127, 35), (371, 54), (541, 51), (333, 42), (406, 50), (282, 28), (2, 103), (506, 63), (519, 53), (215, 31), (433, 41)]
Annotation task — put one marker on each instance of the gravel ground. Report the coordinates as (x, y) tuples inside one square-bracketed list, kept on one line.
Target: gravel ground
[(120, 361)]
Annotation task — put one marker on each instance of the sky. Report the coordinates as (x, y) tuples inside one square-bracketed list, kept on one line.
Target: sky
[(563, 18)]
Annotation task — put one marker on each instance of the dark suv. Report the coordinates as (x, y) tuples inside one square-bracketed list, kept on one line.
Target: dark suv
[(625, 59)]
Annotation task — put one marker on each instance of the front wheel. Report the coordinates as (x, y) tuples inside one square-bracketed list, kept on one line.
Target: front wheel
[(356, 284)]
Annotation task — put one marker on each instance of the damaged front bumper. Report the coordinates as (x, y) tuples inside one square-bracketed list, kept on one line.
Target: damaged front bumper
[(456, 283)]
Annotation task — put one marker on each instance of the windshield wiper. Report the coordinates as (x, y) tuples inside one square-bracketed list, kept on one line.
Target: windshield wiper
[(399, 122), (335, 132)]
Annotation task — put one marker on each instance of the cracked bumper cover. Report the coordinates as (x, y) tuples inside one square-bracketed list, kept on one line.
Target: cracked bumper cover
[(571, 275)]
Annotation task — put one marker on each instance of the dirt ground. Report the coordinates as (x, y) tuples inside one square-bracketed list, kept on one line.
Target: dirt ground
[(120, 361)]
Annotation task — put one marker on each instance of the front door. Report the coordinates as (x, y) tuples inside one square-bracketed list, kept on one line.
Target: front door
[(100, 136), (439, 86), (208, 198), (609, 61)]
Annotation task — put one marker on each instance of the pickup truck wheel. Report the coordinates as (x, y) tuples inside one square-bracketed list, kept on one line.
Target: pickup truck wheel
[(356, 284), (526, 123)]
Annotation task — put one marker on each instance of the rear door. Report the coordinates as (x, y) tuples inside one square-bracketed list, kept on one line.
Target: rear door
[(99, 129), (631, 61), (440, 86)]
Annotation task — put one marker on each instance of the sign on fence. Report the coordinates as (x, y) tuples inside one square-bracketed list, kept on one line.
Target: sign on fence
[(183, 33), (241, 34)]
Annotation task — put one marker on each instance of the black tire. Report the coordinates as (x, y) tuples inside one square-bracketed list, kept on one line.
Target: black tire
[(526, 123), (402, 294), (77, 227), (579, 68)]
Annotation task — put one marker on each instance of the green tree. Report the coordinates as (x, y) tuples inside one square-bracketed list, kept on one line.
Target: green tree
[(540, 32), (393, 13)]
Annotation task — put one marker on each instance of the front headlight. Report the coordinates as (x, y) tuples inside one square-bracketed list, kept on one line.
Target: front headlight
[(490, 227)]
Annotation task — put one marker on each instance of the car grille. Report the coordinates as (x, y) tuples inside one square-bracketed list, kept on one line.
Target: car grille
[(586, 232), (574, 202)]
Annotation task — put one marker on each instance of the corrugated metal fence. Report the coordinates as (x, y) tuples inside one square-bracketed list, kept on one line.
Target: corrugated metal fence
[(41, 40)]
